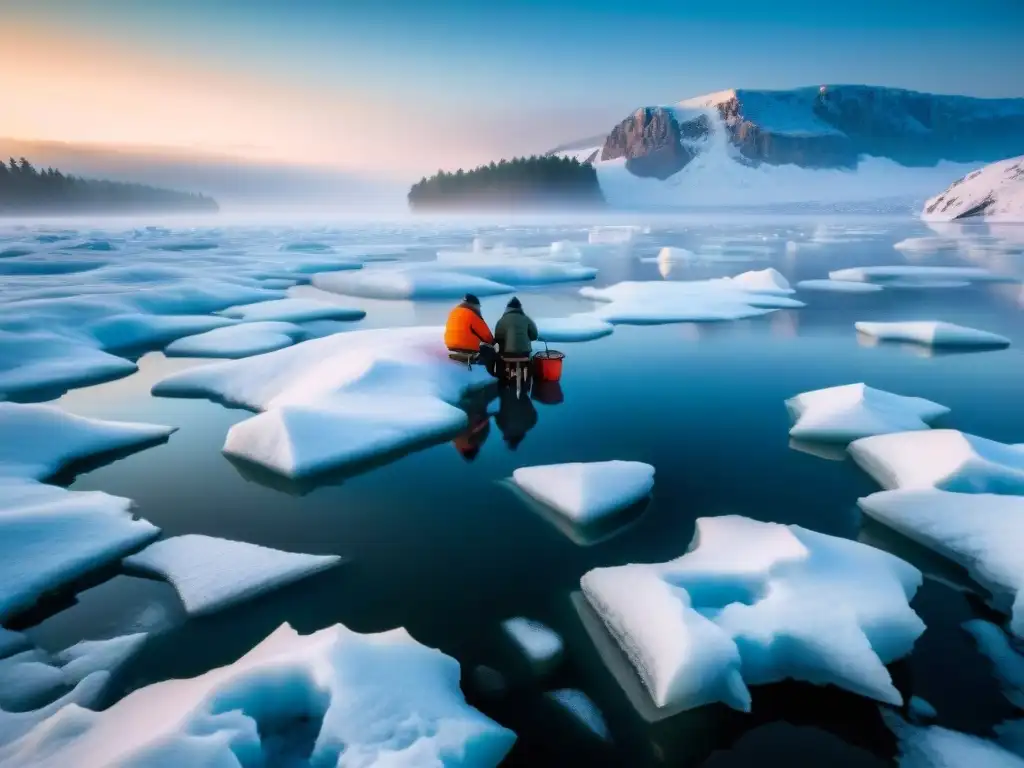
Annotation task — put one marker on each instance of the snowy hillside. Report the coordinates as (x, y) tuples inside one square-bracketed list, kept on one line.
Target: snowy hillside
[(995, 193), (817, 144)]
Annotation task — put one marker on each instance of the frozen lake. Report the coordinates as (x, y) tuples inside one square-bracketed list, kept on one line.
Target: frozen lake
[(435, 541)]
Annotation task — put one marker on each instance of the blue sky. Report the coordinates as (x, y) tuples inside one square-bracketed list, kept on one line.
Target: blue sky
[(527, 74)]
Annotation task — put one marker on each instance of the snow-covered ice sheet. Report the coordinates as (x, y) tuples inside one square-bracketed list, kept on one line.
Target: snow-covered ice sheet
[(747, 295), (753, 603), (587, 492), (137, 330), (932, 333), (237, 341), (579, 706), (937, 747), (849, 412), (337, 400), (580, 327), (211, 574), (838, 286), (513, 270), (293, 310), (982, 532), (944, 459), (538, 643), (36, 441), (408, 283), (334, 697), (50, 537), (992, 193)]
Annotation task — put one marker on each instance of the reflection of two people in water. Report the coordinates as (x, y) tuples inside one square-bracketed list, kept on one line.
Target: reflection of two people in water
[(515, 417)]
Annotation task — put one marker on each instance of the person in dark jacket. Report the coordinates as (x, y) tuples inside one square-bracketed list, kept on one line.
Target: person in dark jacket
[(514, 331), (466, 331)]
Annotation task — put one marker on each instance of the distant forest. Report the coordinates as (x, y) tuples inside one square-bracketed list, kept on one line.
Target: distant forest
[(523, 181), (25, 189)]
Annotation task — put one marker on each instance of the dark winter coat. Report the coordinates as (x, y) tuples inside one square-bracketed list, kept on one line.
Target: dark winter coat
[(514, 332)]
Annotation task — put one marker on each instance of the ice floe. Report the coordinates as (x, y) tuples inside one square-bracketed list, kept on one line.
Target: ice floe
[(853, 411), (580, 327), (12, 642), (539, 644), (932, 333), (982, 532), (944, 459), (838, 286), (336, 400), (613, 235), (408, 283), (50, 537), (38, 440), (47, 362), (1007, 663), (134, 331), (937, 747), (582, 710), (293, 310), (587, 492), (753, 603), (513, 270), (211, 574), (237, 341), (334, 697), (747, 295), (905, 274)]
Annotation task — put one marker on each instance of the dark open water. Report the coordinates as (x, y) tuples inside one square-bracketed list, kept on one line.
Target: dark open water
[(437, 544)]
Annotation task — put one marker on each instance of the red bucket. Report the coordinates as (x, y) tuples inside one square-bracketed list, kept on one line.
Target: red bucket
[(548, 365)]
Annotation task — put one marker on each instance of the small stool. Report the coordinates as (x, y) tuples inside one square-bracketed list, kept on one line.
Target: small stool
[(517, 368), (463, 356)]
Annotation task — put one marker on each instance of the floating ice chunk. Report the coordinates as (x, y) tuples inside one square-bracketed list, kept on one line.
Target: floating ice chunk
[(26, 679), (513, 270), (979, 531), (845, 413), (1007, 664), (768, 280), (565, 250), (932, 333), (921, 710), (364, 699), (580, 327), (937, 747), (613, 235), (14, 725), (38, 440), (754, 603), (926, 244), (12, 642), (137, 330), (941, 458), (211, 574), (44, 361), (294, 311), (339, 399), (50, 537), (89, 656), (579, 706), (838, 286), (906, 273), (237, 341), (300, 440), (540, 644), (408, 284), (687, 301), (918, 285), (587, 492)]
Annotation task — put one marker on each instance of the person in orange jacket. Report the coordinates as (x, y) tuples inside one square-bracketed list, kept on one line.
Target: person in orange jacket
[(466, 331)]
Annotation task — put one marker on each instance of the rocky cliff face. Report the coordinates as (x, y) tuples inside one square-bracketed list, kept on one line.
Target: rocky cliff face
[(651, 141), (819, 127)]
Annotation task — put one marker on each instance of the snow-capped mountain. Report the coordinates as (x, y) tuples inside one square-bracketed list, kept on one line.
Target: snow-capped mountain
[(992, 193), (821, 143)]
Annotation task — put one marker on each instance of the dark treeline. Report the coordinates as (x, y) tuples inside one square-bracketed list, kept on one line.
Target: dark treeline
[(523, 181), (25, 189)]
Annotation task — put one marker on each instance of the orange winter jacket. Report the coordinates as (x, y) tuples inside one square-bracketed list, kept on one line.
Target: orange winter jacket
[(466, 329)]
